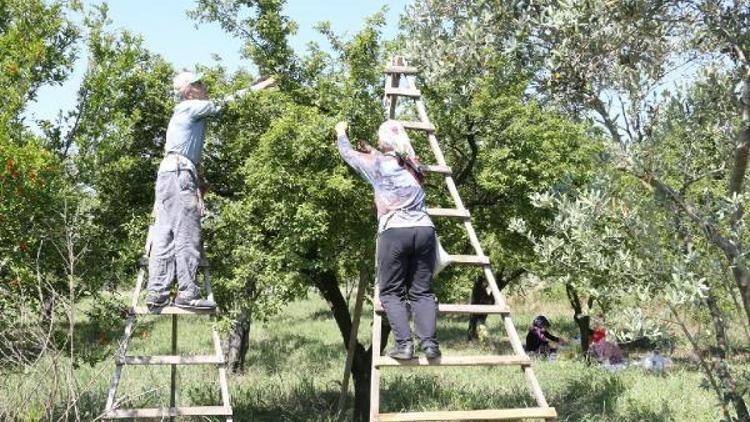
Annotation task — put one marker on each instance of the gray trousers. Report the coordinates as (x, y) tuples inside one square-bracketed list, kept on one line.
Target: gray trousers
[(406, 257), (176, 234)]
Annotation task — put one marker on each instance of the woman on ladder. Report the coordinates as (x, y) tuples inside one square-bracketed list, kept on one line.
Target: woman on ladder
[(406, 235)]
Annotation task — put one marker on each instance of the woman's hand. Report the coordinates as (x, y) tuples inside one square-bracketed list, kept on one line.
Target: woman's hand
[(341, 128), (362, 146)]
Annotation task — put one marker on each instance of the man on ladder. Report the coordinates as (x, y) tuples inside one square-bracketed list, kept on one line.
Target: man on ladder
[(176, 233)]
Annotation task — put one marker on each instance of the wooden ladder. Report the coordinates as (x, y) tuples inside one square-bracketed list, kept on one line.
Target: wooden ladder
[(112, 411), (397, 70)]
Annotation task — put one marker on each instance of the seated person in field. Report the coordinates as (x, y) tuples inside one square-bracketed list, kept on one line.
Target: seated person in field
[(604, 351), (538, 338)]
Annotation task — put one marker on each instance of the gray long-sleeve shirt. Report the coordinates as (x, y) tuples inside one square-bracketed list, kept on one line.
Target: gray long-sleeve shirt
[(186, 133), (399, 197)]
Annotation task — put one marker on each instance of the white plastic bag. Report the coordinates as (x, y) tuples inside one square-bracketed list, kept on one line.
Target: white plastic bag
[(656, 362), (442, 259)]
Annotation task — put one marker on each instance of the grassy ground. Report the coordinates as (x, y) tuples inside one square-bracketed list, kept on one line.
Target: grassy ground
[(296, 361)]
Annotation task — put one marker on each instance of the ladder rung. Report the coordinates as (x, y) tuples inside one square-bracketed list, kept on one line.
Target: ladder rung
[(171, 360), (467, 309), (469, 259), (171, 310), (471, 309), (404, 92), (472, 415), (406, 70), (417, 125), (439, 169), (448, 212), (455, 361), (161, 412)]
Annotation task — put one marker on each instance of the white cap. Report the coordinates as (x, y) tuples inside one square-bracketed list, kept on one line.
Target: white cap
[(184, 80)]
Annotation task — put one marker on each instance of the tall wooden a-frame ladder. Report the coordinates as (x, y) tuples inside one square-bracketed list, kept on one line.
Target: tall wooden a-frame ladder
[(397, 72), (112, 410)]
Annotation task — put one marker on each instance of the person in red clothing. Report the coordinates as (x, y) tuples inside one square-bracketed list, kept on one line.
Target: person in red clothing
[(604, 351), (598, 335)]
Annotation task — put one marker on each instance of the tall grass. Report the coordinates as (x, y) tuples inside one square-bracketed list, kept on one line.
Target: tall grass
[(296, 359)]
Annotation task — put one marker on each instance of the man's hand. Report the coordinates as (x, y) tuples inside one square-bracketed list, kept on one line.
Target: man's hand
[(268, 82), (263, 84), (341, 128), (202, 189), (201, 204)]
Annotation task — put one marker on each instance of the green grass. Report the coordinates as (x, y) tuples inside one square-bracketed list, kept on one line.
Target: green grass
[(296, 361)]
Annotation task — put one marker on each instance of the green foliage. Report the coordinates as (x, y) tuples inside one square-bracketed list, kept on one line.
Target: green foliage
[(286, 210), (30, 180), (114, 139), (36, 48), (500, 143)]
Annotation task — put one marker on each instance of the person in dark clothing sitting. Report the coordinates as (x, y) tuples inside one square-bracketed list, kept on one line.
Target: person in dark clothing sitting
[(538, 338)]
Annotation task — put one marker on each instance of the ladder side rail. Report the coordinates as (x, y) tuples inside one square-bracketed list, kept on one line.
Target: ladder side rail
[(377, 332), (474, 240), (536, 389), (352, 342), (225, 400), (123, 346), (377, 321), (130, 326), (173, 367), (389, 103)]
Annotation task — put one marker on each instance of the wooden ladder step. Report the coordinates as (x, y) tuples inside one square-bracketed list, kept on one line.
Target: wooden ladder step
[(170, 310), (163, 412), (404, 92), (449, 212), (171, 360), (438, 169), (455, 361), (464, 309), (469, 259), (472, 415), (408, 124), (406, 70)]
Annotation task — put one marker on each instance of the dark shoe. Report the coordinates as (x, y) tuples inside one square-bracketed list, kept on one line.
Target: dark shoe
[(403, 352), (432, 352), (157, 300), (194, 303)]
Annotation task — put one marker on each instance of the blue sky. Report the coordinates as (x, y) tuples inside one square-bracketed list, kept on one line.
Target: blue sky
[(168, 31)]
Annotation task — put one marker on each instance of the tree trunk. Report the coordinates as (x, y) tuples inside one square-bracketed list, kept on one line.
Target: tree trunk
[(729, 386), (480, 295), (582, 321), (736, 187), (327, 284), (238, 342), (728, 391)]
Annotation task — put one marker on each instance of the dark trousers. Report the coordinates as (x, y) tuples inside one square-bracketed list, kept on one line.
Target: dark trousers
[(406, 257)]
